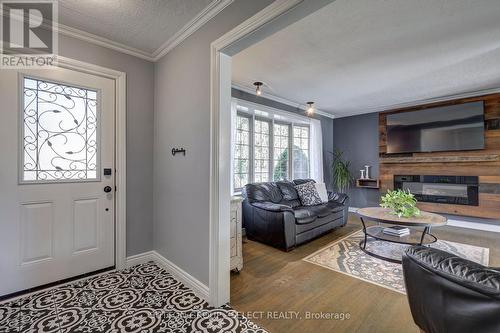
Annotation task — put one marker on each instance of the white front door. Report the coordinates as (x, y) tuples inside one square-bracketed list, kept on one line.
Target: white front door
[(57, 132)]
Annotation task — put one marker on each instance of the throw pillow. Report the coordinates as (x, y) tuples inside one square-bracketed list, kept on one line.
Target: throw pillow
[(308, 194), (321, 189)]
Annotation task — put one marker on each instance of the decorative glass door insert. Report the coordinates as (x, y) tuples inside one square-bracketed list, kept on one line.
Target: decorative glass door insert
[(60, 133)]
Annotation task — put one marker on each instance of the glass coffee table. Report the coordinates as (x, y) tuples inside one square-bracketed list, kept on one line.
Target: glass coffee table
[(420, 228)]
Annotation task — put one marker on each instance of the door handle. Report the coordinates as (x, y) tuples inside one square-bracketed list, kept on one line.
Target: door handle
[(108, 189)]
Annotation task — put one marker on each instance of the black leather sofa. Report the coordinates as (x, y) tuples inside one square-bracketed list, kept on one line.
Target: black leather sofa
[(273, 214), (451, 294)]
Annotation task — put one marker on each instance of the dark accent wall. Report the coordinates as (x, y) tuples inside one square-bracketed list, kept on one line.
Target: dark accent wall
[(357, 137), (326, 126), (483, 163)]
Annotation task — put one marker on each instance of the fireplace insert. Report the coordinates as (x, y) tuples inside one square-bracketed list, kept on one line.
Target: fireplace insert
[(457, 190)]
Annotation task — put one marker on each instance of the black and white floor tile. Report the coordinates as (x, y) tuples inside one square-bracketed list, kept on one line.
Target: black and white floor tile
[(143, 298)]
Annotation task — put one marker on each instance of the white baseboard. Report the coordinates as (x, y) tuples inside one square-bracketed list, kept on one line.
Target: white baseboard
[(460, 224), (187, 279), (474, 225), (190, 281), (140, 258), (353, 209)]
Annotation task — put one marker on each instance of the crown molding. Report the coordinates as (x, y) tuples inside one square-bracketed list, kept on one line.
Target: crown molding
[(209, 12), (214, 8), (373, 109), (101, 41), (280, 100), (91, 38)]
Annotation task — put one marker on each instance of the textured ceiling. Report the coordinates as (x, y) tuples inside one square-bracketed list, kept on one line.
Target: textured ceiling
[(351, 57), (142, 24)]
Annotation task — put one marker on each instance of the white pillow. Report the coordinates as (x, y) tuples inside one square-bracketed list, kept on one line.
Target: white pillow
[(321, 189)]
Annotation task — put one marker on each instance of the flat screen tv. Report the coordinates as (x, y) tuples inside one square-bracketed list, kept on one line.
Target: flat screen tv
[(447, 128)]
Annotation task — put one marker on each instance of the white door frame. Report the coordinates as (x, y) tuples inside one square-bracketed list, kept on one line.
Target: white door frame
[(120, 79), (220, 143)]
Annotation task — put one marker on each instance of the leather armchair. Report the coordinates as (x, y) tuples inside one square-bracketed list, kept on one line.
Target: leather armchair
[(272, 214), (451, 294)]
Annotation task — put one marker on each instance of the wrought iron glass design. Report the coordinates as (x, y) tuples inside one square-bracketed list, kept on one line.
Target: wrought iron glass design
[(60, 132)]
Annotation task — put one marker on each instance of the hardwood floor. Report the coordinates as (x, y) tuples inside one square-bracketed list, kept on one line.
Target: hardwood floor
[(277, 281)]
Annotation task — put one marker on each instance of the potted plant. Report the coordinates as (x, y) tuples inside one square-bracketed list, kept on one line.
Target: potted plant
[(401, 203), (342, 177)]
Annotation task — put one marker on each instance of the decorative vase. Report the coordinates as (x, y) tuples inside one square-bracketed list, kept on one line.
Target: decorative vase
[(367, 173)]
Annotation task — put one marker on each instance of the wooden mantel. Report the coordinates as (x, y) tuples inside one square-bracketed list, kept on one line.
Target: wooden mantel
[(483, 163)]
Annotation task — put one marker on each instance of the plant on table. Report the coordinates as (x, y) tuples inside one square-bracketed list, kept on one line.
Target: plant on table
[(401, 203)]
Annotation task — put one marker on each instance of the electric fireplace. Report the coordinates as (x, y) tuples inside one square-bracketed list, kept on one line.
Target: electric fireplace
[(457, 190)]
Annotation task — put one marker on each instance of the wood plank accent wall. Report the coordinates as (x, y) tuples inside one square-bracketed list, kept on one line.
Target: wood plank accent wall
[(483, 163)]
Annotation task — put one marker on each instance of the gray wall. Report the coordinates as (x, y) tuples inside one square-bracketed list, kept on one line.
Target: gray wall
[(140, 109), (357, 137), (326, 126), (182, 119)]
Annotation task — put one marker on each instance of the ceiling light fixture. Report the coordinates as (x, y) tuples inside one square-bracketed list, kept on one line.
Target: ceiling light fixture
[(258, 90), (310, 108)]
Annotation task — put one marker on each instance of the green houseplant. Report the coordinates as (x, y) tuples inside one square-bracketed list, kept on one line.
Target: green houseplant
[(401, 203), (342, 177)]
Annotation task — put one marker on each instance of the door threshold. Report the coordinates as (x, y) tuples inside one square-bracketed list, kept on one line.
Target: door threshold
[(51, 285)]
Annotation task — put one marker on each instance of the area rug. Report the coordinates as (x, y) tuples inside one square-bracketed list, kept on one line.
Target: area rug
[(144, 298), (345, 256)]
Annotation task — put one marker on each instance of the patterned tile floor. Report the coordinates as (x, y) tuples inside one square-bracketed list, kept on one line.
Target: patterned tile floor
[(143, 298)]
